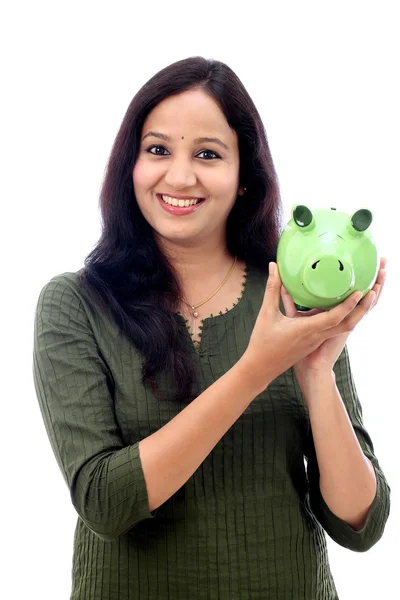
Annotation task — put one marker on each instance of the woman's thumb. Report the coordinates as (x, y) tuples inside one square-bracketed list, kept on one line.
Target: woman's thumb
[(272, 268), (273, 288)]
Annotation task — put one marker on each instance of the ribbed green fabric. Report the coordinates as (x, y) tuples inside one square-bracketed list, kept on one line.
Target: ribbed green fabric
[(249, 524)]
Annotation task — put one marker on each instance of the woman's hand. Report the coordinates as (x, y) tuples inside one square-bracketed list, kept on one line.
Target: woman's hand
[(322, 360), (278, 342)]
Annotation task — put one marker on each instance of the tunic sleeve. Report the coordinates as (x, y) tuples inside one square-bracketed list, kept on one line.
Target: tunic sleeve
[(340, 531), (74, 387)]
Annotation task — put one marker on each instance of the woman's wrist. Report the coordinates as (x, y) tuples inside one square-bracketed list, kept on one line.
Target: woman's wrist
[(257, 381), (312, 382)]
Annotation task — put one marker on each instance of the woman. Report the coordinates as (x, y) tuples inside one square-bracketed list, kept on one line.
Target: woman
[(179, 399)]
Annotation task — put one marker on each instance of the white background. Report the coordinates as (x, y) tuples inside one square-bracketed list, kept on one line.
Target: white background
[(325, 79)]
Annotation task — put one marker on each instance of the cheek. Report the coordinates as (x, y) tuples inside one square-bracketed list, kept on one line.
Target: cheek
[(224, 190), (139, 174), (145, 176), (222, 181)]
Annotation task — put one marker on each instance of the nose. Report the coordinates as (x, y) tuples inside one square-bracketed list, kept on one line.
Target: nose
[(180, 174), (327, 276)]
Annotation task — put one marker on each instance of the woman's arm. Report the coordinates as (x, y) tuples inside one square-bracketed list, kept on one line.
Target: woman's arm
[(114, 486), (345, 514), (347, 477), (173, 453)]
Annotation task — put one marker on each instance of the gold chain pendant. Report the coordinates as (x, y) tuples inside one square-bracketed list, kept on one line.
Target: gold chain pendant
[(194, 311)]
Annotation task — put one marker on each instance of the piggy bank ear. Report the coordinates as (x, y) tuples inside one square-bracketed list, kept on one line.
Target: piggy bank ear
[(303, 217), (361, 219)]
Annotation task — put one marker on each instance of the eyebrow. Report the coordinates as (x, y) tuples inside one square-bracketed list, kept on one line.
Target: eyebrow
[(199, 140)]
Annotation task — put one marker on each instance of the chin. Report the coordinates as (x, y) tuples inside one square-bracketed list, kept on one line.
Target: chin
[(180, 238)]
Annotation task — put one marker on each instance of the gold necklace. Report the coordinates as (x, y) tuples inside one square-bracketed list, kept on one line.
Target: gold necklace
[(195, 306)]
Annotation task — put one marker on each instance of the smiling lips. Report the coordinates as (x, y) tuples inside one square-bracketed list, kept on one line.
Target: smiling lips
[(179, 206), (182, 202)]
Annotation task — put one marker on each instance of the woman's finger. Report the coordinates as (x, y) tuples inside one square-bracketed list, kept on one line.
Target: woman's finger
[(380, 282), (354, 317), (363, 308), (290, 307), (355, 305), (288, 303), (272, 290), (332, 318)]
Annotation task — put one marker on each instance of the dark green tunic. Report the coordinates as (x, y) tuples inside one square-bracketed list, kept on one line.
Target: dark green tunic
[(249, 524)]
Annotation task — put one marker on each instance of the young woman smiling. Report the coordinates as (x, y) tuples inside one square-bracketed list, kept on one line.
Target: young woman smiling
[(180, 388)]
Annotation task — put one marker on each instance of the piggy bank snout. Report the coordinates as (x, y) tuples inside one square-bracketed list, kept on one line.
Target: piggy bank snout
[(328, 276)]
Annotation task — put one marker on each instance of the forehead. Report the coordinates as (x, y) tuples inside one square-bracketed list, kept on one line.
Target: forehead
[(192, 113)]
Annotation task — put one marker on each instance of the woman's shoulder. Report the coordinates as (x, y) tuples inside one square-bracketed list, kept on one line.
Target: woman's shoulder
[(65, 286), (63, 300), (64, 293)]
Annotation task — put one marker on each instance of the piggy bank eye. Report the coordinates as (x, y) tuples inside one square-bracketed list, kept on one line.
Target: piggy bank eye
[(361, 219), (302, 215)]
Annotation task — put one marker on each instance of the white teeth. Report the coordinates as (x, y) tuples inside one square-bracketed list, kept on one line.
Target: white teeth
[(175, 202)]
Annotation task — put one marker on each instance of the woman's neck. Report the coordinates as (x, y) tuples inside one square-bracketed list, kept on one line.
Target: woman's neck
[(200, 265)]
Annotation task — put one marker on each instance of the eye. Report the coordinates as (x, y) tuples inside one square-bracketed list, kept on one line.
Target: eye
[(215, 155), (156, 154), (210, 152)]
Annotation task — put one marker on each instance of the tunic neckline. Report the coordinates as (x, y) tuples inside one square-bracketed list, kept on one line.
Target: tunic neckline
[(222, 317)]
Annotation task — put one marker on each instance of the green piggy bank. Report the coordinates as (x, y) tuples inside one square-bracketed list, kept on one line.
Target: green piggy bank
[(325, 255)]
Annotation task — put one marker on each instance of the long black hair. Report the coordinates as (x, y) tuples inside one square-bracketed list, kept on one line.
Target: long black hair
[(126, 273)]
